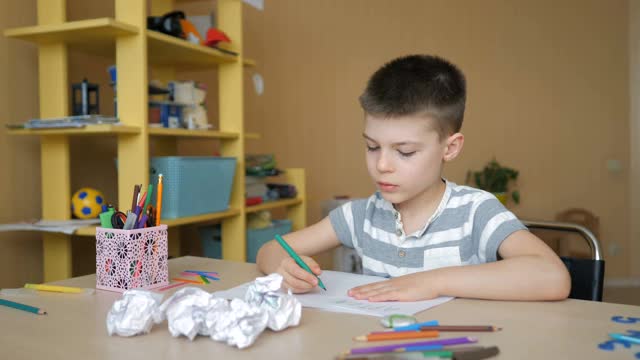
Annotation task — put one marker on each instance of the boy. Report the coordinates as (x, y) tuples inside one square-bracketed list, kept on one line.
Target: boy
[(430, 236)]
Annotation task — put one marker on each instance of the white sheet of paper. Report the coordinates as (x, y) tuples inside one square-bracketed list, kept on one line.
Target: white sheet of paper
[(62, 226), (336, 299)]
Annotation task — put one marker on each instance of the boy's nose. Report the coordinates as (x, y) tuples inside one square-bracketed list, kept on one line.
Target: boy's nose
[(384, 164)]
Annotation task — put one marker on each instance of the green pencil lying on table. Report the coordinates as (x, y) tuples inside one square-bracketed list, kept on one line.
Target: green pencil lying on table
[(298, 260)]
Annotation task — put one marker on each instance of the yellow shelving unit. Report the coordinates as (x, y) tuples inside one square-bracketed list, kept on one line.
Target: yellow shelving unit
[(137, 50)]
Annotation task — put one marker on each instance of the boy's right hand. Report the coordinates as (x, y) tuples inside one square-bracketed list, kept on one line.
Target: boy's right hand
[(296, 278)]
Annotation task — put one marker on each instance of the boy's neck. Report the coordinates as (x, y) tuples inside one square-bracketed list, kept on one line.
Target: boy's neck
[(422, 207)]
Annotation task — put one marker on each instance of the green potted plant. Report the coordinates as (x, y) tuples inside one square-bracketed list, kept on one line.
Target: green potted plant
[(495, 179)]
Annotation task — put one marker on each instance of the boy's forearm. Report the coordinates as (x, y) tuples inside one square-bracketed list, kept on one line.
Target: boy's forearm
[(269, 257), (520, 278)]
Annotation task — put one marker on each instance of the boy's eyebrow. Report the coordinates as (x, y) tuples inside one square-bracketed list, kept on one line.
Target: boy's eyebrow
[(395, 144)]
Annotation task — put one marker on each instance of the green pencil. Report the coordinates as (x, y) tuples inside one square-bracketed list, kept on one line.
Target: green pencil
[(298, 260), (23, 307)]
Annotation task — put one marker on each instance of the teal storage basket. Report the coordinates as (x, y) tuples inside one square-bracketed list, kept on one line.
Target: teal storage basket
[(211, 240), (193, 185), (258, 237)]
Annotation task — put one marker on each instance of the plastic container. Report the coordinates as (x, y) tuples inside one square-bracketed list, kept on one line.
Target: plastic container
[(193, 185), (211, 239), (130, 259), (258, 237)]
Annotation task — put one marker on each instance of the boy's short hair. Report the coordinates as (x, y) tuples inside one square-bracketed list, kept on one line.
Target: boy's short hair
[(418, 85)]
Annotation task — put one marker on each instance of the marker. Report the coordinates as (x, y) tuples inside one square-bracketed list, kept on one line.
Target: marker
[(54, 288), (298, 260)]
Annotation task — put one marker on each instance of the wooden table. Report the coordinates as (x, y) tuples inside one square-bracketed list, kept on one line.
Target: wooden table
[(75, 327)]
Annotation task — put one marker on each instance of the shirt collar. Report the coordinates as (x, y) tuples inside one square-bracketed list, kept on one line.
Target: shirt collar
[(443, 203)]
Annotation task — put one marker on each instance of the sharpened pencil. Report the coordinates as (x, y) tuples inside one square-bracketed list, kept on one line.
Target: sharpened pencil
[(23, 307), (403, 347), (397, 335), (485, 328)]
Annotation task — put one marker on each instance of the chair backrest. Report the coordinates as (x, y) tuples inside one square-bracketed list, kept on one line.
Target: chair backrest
[(587, 275)]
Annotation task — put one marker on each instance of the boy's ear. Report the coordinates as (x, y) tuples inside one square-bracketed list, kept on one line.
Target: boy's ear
[(453, 146)]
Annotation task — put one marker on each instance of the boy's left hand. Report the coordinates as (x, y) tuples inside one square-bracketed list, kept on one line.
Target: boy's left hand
[(412, 287)]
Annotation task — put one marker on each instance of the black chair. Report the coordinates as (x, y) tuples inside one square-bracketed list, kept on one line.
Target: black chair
[(587, 275)]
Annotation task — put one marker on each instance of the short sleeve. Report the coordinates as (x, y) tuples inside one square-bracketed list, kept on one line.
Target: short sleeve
[(345, 220), (492, 224), (339, 218)]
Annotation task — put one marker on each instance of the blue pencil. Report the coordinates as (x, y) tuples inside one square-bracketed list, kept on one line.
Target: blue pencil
[(23, 307), (623, 337), (416, 326)]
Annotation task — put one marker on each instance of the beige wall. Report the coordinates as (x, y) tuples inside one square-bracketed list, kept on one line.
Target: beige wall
[(634, 68), (548, 95), (20, 252)]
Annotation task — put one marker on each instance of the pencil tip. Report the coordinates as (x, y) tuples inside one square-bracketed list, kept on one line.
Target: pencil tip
[(360, 338)]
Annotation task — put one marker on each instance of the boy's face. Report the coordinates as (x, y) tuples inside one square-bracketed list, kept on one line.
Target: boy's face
[(404, 156)]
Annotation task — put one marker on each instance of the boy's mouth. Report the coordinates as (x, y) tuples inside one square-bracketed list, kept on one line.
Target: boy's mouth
[(386, 186)]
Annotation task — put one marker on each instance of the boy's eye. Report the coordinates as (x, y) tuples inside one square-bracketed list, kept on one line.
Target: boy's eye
[(406, 154), (372, 148)]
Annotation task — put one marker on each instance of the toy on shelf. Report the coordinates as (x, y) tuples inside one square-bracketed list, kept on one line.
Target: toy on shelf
[(191, 95), (82, 101), (87, 203)]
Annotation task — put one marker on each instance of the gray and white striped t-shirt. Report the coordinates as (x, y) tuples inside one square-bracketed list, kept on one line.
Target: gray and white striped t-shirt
[(467, 228)]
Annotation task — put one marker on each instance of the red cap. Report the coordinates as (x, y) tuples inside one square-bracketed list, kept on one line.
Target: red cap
[(215, 36)]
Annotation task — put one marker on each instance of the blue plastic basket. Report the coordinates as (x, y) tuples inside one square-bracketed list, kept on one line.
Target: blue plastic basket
[(211, 238), (258, 237), (193, 185)]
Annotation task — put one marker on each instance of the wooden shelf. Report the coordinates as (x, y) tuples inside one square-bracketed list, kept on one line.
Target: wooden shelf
[(252, 136), (103, 129), (94, 36), (156, 131), (91, 230), (248, 62), (169, 50), (272, 205), (97, 37)]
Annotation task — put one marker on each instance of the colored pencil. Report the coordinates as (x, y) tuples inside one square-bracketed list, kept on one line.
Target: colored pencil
[(298, 260), (171, 286), (23, 307), (159, 200), (402, 347), (54, 288), (201, 272), (481, 328), (204, 279), (479, 354), (209, 277), (412, 327), (392, 356), (187, 281), (627, 338), (421, 352), (397, 335)]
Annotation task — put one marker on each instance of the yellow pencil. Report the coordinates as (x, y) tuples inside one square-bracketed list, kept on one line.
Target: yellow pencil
[(159, 200), (54, 288)]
